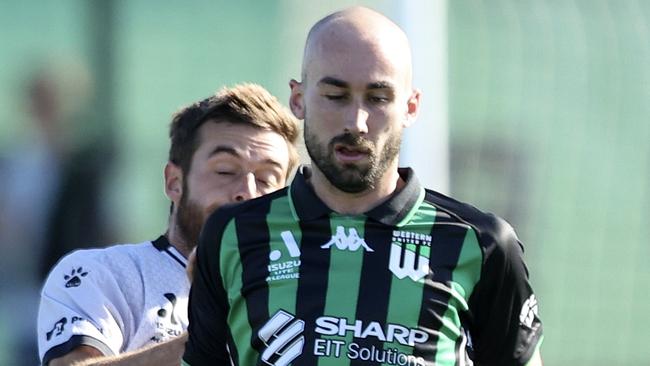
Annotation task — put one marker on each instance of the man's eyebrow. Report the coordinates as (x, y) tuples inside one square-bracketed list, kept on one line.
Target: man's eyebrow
[(380, 85), (223, 149), (220, 149), (273, 162), (328, 80)]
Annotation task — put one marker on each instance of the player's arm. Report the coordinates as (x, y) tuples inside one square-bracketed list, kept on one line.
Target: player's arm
[(78, 315), (506, 326), (163, 354), (78, 354)]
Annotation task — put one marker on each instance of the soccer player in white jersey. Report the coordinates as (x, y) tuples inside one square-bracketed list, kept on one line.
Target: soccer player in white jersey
[(127, 304)]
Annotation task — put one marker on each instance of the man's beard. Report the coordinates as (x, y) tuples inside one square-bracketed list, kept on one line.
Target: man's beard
[(189, 219), (352, 178)]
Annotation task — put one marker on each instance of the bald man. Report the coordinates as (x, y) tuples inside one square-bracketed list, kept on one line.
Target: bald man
[(356, 263)]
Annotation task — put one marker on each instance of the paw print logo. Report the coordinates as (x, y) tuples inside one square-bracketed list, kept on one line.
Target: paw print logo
[(74, 278)]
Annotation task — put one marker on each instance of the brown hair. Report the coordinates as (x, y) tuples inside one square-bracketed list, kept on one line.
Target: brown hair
[(244, 103)]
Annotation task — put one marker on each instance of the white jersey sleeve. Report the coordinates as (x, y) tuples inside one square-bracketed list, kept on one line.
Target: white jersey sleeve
[(81, 304)]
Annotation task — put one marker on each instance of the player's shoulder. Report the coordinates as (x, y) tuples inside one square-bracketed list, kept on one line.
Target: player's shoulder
[(103, 259), (490, 228), (109, 252)]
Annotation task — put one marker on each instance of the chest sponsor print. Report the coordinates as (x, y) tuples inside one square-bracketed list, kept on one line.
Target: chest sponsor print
[(284, 265), (284, 341)]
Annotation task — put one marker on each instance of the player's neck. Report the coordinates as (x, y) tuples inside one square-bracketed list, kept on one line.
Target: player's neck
[(356, 203), (176, 239)]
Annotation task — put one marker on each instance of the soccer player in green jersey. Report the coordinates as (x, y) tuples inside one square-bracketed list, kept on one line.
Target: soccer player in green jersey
[(355, 263)]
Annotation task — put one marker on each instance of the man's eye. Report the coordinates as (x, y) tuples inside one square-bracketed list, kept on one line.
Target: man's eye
[(267, 181), (335, 96), (225, 172), (378, 100)]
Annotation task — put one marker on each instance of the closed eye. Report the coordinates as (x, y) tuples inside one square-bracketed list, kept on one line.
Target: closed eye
[(335, 96), (378, 100)]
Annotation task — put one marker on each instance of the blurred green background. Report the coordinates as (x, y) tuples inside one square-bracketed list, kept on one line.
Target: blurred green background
[(548, 126)]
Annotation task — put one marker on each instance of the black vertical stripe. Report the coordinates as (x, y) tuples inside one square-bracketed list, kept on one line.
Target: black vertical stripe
[(254, 248), (446, 244), (375, 284), (232, 350), (312, 284)]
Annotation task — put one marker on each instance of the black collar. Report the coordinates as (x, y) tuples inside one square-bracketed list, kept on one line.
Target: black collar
[(309, 207), (161, 243)]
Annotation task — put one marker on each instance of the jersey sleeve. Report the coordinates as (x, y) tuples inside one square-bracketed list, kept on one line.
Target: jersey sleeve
[(78, 306), (506, 328), (208, 305)]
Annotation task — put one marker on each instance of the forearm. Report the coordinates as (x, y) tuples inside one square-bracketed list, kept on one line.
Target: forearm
[(164, 354)]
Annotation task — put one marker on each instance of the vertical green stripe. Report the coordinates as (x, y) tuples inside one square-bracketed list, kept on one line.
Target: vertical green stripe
[(464, 278), (344, 275), (468, 270), (406, 294), (450, 330), (283, 259), (231, 271)]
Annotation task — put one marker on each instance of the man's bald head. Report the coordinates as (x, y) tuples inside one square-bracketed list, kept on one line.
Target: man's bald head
[(355, 98), (358, 28)]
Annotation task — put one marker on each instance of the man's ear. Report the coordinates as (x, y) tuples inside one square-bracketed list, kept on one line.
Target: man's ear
[(173, 182), (412, 107), (297, 99)]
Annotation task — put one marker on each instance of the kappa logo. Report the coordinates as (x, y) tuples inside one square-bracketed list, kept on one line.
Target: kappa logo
[(352, 241), (283, 337), (409, 255)]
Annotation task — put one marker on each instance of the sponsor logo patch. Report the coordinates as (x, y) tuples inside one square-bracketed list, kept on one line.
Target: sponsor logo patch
[(167, 323), (283, 337), (390, 333), (59, 327), (281, 267)]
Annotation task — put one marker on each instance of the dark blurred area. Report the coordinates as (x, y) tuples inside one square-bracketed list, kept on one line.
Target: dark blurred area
[(54, 181), (55, 170)]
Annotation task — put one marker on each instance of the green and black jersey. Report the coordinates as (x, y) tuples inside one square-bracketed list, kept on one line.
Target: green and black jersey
[(419, 280)]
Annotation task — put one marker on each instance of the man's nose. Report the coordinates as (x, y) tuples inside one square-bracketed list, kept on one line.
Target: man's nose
[(246, 189), (356, 119)]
